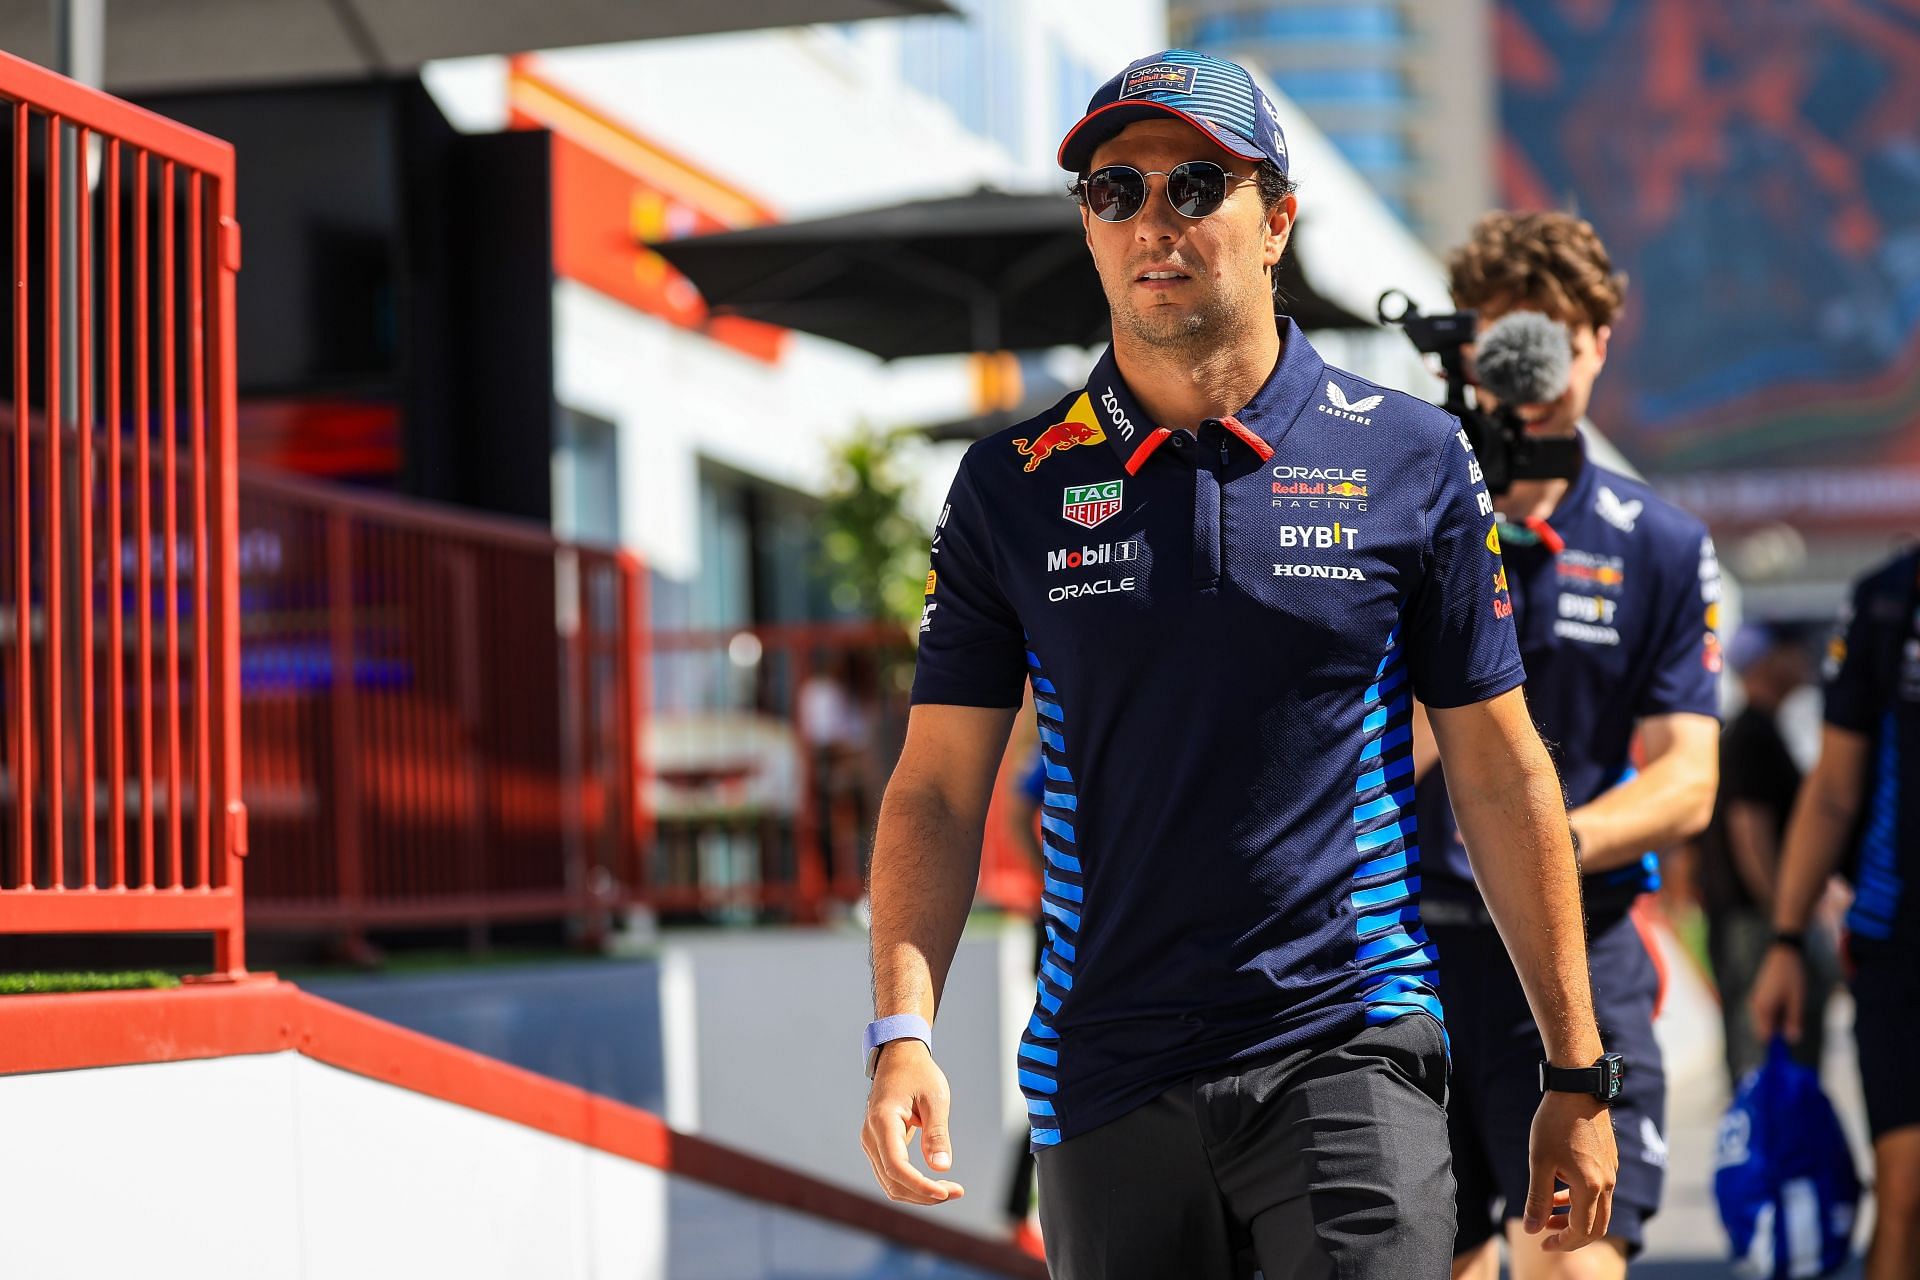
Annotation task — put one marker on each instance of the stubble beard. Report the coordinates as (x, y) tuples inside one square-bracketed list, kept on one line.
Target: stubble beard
[(1214, 322)]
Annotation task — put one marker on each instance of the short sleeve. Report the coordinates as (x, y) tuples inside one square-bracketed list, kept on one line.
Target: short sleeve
[(1853, 700), (1684, 663), (972, 647), (1459, 634)]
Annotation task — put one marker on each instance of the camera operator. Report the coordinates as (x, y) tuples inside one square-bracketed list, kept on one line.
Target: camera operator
[(1613, 591)]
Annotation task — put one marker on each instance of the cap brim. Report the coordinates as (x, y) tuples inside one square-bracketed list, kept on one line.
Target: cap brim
[(1077, 148)]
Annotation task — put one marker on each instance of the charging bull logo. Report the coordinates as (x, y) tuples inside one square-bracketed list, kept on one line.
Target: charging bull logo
[(1079, 427)]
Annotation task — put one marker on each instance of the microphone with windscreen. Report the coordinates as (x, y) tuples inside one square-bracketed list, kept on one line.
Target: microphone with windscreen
[(1524, 358)]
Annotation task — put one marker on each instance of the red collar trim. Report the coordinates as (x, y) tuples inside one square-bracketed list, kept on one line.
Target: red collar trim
[(1145, 451), (1261, 448)]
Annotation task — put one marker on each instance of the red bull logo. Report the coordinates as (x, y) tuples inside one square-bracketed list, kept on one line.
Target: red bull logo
[(1347, 489), (1161, 77), (1080, 427)]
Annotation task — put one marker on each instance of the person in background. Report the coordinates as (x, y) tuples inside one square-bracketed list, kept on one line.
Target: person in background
[(1614, 593), (1740, 851), (1861, 803)]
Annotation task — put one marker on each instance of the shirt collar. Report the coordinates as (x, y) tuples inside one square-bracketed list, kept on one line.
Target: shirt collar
[(1134, 437)]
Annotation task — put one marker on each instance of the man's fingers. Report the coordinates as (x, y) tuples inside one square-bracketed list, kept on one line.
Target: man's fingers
[(1540, 1198), (1589, 1210), (936, 1141), (886, 1136), (1580, 1218)]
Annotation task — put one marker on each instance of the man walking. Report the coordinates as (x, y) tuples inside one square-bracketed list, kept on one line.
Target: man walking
[(1614, 597), (1740, 851), (1225, 569), (1862, 800)]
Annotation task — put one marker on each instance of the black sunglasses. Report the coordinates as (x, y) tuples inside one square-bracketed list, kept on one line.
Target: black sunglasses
[(1195, 189)]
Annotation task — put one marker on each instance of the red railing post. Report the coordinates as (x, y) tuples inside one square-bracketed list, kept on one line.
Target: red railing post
[(58, 773), (230, 942), (343, 699)]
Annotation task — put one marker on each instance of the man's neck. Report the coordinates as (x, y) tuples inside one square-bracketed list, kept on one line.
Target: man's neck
[(1178, 388), (1531, 499)]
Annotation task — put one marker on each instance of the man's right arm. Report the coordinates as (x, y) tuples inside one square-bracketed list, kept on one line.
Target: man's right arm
[(1817, 833), (926, 861)]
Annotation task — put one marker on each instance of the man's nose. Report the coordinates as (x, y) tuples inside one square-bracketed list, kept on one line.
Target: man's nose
[(1157, 219)]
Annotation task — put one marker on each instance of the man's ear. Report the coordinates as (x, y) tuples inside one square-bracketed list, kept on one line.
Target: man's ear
[(1279, 228), (1600, 335)]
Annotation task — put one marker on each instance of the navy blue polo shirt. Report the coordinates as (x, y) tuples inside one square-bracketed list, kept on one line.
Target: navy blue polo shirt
[(1223, 627), (1873, 688), (1615, 597)]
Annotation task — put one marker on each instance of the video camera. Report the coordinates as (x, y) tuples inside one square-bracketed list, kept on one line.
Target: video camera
[(1523, 358)]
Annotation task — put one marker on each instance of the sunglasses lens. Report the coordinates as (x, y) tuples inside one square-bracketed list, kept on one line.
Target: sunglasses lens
[(1115, 193), (1197, 188)]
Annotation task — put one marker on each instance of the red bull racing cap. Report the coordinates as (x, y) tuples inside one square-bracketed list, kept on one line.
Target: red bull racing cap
[(1213, 95)]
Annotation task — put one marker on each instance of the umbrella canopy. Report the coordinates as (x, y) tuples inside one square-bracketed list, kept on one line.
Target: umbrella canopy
[(981, 272), (153, 45)]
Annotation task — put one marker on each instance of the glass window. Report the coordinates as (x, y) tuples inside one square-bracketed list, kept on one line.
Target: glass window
[(1359, 86), (1361, 22), (1373, 150)]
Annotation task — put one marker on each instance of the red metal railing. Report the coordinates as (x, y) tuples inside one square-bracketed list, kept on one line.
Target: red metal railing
[(123, 247), (440, 714), (770, 746)]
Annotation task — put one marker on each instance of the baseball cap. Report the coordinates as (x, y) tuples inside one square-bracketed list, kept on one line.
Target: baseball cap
[(1215, 96)]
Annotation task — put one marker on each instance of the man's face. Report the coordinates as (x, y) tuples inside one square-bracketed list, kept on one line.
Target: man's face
[(1558, 417), (1175, 281)]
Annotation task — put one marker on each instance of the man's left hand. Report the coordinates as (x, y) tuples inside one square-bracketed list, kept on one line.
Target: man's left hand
[(1572, 1141)]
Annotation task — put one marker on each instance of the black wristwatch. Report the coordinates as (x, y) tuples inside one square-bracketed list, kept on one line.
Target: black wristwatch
[(1604, 1079)]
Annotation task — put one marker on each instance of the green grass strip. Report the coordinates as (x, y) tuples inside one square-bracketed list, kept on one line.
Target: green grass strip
[(29, 984)]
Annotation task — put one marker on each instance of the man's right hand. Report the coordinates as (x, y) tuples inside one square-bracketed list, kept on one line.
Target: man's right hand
[(909, 1092), (1779, 995)]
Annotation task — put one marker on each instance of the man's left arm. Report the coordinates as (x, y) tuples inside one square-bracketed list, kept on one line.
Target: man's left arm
[(1668, 800), (1507, 799), (1671, 798)]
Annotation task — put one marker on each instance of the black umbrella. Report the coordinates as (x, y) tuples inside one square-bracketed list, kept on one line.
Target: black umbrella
[(982, 272), (153, 45)]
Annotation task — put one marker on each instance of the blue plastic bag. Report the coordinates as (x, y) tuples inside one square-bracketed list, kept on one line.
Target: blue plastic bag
[(1784, 1176)]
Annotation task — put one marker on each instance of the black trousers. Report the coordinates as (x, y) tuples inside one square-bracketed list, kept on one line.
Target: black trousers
[(1317, 1163)]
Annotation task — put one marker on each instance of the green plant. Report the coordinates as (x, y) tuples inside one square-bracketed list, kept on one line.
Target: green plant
[(31, 984), (874, 555)]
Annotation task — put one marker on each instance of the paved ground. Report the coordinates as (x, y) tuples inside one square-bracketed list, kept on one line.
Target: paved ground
[(1685, 1242)]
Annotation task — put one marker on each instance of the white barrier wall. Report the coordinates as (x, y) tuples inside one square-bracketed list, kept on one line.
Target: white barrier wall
[(270, 1166), (762, 1039)]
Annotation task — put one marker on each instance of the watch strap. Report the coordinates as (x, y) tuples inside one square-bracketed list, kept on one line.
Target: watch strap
[(1602, 1080), (896, 1026)]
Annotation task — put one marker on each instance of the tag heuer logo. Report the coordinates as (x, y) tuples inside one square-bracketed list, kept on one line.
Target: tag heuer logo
[(1088, 504)]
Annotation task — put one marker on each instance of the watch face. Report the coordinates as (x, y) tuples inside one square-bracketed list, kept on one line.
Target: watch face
[(1615, 1069)]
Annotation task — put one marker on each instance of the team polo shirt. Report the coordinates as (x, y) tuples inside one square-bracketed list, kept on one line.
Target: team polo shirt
[(1873, 688), (1223, 627), (1615, 599)]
